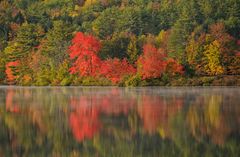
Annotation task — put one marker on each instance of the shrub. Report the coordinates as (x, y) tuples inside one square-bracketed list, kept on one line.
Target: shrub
[(133, 81)]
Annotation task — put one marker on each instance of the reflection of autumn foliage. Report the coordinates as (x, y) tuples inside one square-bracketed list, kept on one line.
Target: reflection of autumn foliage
[(155, 113), (35, 115), (84, 120), (85, 117), (115, 118), (116, 103), (11, 106), (211, 120)]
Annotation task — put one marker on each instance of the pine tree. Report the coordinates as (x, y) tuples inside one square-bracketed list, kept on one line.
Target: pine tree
[(56, 43), (21, 47), (132, 50), (188, 19)]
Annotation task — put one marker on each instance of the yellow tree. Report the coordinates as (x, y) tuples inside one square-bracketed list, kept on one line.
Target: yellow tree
[(212, 59)]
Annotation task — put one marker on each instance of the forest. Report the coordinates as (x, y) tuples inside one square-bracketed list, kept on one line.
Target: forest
[(119, 42)]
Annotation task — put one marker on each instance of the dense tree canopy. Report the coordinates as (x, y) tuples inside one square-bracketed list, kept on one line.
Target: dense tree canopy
[(201, 37)]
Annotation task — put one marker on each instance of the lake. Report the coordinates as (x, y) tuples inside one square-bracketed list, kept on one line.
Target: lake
[(120, 122)]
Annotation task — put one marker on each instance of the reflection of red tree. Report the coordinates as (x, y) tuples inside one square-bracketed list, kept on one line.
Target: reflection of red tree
[(84, 120), (9, 71), (10, 105), (155, 112), (115, 105)]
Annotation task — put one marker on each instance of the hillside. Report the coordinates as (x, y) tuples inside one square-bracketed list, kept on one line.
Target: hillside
[(120, 42)]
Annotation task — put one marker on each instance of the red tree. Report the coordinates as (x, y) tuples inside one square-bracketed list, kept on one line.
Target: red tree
[(10, 72), (238, 44), (154, 62), (84, 51), (84, 120), (173, 68), (151, 63), (115, 69)]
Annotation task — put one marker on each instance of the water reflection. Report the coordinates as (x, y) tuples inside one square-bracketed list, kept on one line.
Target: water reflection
[(119, 121)]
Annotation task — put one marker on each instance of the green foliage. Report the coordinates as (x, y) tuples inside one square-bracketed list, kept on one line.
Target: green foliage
[(200, 35), (56, 43), (27, 38), (116, 46), (21, 48), (90, 81), (106, 23), (182, 28), (133, 81), (132, 50), (2, 67), (45, 76)]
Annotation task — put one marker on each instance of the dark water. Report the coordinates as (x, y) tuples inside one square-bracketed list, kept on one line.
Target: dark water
[(119, 122)]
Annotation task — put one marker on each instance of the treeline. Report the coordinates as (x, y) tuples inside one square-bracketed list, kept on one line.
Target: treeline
[(123, 42)]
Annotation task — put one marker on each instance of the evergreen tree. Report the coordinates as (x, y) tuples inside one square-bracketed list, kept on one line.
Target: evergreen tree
[(132, 50), (188, 19), (56, 42), (21, 47), (2, 67)]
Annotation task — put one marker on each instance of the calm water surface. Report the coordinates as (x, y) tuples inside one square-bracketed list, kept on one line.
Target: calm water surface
[(119, 122)]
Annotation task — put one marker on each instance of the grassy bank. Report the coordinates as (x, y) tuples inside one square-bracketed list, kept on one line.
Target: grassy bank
[(227, 80)]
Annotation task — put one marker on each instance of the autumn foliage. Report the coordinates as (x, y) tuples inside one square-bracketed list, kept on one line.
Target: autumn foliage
[(10, 72), (11, 105), (84, 121), (173, 67), (154, 62), (152, 48), (155, 112), (84, 118), (115, 69), (84, 51)]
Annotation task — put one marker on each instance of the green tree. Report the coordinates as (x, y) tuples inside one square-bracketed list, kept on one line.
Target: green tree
[(20, 49), (2, 67), (233, 17), (5, 19), (56, 42), (132, 50), (189, 18), (106, 23), (116, 46)]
